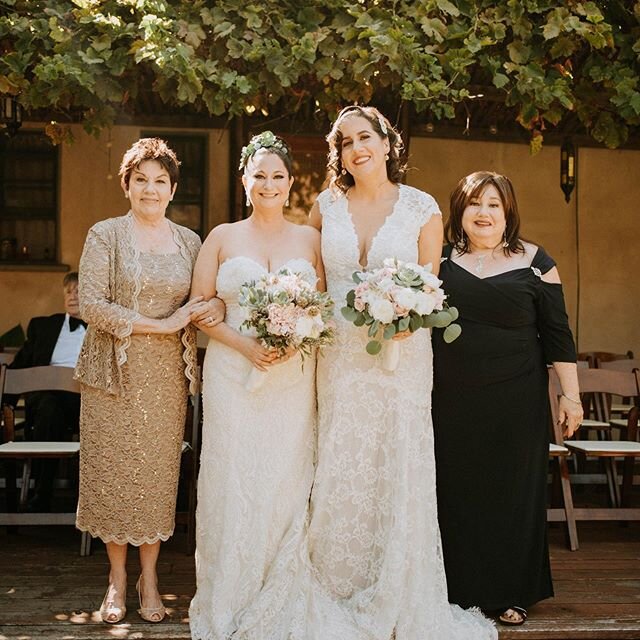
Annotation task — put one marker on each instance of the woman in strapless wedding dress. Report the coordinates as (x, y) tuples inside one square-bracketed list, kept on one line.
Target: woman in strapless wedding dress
[(257, 446)]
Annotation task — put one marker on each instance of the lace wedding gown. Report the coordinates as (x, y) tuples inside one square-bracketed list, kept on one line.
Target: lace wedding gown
[(254, 484), (374, 542)]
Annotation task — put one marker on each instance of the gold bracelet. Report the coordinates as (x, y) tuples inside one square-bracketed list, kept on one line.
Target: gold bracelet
[(564, 395)]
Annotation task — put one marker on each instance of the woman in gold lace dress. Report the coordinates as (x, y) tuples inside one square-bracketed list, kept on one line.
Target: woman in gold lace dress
[(136, 366)]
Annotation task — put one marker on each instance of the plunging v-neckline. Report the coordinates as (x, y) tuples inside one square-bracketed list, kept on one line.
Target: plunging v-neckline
[(375, 235)]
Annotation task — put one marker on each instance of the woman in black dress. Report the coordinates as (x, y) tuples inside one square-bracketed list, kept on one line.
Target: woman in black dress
[(490, 402)]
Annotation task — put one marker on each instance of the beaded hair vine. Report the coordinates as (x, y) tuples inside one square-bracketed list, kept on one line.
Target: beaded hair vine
[(264, 140)]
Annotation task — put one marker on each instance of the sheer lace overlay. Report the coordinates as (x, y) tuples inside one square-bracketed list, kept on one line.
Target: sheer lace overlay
[(130, 444), (374, 542), (254, 484), (109, 289)]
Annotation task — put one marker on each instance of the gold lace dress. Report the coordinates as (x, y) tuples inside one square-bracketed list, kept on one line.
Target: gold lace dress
[(130, 443)]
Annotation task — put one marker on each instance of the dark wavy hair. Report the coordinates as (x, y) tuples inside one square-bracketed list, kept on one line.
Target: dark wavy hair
[(396, 164), (471, 187)]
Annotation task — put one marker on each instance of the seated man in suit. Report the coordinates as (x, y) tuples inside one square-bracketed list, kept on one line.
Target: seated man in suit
[(52, 415)]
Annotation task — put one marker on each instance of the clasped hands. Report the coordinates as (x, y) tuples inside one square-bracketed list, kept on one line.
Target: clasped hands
[(206, 314)]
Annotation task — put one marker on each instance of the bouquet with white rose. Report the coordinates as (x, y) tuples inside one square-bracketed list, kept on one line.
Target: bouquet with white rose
[(283, 311), (400, 296)]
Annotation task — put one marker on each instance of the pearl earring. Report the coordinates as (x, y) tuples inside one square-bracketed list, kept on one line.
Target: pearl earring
[(126, 195), (344, 172), (286, 204), (248, 202), (386, 157)]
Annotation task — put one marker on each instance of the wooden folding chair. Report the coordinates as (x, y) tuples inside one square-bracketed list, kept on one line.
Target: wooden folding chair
[(17, 382), (621, 364), (604, 383), (559, 454)]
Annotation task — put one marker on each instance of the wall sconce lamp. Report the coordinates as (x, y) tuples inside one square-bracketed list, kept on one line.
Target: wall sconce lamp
[(567, 168), (10, 114)]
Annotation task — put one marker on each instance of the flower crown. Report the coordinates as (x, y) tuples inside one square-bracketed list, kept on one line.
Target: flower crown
[(264, 140)]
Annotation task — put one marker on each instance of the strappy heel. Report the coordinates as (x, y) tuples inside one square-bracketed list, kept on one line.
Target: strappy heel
[(109, 613), (150, 614)]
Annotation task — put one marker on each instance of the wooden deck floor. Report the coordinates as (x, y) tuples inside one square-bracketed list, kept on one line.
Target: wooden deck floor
[(47, 591)]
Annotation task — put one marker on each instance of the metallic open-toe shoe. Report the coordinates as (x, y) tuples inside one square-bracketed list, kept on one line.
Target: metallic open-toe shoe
[(109, 612), (150, 614)]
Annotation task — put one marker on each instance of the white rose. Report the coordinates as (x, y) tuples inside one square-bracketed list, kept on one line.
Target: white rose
[(425, 303), (382, 310), (305, 327), (405, 297), (431, 281)]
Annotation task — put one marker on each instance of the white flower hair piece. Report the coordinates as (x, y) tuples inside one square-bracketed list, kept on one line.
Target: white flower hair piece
[(383, 125), (264, 140)]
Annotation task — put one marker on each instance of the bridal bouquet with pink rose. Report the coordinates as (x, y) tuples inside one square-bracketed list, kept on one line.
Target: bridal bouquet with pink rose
[(284, 310), (399, 296)]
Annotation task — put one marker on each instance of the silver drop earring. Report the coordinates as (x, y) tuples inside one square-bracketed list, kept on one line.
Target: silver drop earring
[(505, 244), (286, 204), (386, 157), (248, 202)]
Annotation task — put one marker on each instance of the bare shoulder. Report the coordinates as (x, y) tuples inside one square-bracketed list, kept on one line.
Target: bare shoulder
[(306, 231), (530, 249)]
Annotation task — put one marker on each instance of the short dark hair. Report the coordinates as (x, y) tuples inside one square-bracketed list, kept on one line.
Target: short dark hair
[(149, 149), (472, 186), (396, 164), (70, 277)]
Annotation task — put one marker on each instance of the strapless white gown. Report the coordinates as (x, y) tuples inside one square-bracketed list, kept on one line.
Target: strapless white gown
[(254, 484)]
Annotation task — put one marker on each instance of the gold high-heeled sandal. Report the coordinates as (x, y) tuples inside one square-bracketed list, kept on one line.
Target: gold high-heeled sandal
[(109, 613), (149, 613)]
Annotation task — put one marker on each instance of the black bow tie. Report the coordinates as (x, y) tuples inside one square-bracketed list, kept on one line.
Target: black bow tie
[(74, 323)]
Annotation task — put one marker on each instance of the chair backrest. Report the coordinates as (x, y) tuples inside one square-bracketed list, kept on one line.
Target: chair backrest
[(6, 357), (621, 383), (596, 357), (599, 382), (19, 381), (15, 382), (621, 365)]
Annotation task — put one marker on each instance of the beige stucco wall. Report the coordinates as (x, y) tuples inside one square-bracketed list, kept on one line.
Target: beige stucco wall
[(606, 198), (89, 191)]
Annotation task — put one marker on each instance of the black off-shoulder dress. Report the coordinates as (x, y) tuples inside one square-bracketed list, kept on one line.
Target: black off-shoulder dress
[(491, 422)]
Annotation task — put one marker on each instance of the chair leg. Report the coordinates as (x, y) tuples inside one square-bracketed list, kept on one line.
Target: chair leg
[(26, 478), (567, 500), (85, 544), (609, 469)]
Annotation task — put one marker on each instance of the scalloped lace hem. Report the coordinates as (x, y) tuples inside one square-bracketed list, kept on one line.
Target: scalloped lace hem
[(136, 542)]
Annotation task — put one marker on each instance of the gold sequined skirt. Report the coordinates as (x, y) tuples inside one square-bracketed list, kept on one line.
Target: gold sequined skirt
[(130, 446)]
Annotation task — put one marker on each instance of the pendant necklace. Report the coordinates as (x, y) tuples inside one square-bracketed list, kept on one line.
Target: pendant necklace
[(479, 266)]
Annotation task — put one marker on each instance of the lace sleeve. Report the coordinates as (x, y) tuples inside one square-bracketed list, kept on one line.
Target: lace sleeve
[(96, 304)]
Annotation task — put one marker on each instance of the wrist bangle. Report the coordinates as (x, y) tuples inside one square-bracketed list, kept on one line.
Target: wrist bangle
[(564, 395)]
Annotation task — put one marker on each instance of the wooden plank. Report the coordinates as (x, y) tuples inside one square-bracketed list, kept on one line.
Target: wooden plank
[(49, 592)]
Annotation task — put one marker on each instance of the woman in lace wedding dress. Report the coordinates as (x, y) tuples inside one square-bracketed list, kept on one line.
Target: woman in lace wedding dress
[(374, 542), (257, 446)]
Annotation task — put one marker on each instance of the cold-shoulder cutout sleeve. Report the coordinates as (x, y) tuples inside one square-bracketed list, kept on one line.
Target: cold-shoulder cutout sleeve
[(553, 322), (542, 261), (97, 307)]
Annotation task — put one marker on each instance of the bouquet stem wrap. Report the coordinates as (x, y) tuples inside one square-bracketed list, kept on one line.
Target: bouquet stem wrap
[(390, 355)]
